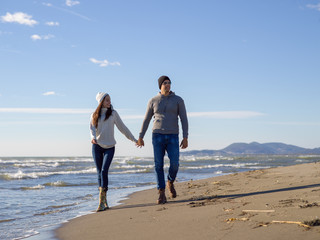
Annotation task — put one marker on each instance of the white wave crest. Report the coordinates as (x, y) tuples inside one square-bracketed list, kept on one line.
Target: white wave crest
[(133, 171), (125, 166), (197, 158), (236, 165), (39, 186), (42, 164), (21, 175), (45, 161)]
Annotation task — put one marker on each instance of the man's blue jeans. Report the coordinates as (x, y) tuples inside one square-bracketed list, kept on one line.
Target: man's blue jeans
[(163, 143), (102, 158)]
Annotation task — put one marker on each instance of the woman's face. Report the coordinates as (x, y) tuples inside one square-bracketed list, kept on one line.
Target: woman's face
[(106, 102)]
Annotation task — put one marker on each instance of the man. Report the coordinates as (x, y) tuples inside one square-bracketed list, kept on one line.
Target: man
[(165, 108)]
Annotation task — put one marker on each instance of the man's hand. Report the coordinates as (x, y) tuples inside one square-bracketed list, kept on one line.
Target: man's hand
[(93, 141), (184, 143), (140, 142)]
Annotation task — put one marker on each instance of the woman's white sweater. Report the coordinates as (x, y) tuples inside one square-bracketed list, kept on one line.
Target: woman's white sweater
[(104, 133)]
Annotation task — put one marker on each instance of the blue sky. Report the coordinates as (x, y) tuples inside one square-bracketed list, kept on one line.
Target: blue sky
[(247, 70)]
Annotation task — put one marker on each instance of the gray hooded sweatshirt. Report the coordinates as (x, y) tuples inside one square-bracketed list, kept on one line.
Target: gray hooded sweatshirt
[(165, 111)]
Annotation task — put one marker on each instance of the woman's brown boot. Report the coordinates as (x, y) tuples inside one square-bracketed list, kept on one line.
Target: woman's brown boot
[(102, 199), (105, 198), (172, 191), (162, 197)]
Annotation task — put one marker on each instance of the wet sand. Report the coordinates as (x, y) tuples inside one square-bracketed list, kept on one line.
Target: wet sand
[(277, 203)]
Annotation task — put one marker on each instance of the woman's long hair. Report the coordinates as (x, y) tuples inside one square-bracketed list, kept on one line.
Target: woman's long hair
[(97, 114)]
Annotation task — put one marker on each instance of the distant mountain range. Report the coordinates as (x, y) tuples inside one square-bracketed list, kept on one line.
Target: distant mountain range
[(255, 148)]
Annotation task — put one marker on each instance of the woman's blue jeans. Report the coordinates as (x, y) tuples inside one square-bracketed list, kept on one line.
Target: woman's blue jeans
[(102, 158), (163, 143)]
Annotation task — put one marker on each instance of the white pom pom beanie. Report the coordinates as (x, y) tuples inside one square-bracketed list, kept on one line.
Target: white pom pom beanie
[(100, 96)]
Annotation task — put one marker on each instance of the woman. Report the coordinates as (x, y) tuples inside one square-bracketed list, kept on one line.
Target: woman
[(103, 143)]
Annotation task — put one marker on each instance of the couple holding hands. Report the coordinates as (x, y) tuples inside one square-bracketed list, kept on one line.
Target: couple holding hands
[(165, 108)]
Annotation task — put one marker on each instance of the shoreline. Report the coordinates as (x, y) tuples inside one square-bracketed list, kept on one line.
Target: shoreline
[(49, 232), (264, 204)]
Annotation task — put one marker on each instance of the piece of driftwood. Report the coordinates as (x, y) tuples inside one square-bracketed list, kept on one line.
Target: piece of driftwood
[(229, 220), (292, 222), (258, 211)]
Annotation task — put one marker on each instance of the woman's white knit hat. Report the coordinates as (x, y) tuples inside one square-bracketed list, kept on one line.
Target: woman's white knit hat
[(100, 96)]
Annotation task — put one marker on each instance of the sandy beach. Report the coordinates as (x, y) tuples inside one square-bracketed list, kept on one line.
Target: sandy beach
[(277, 203)]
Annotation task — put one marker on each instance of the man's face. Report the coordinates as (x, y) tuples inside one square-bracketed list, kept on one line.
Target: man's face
[(166, 86)]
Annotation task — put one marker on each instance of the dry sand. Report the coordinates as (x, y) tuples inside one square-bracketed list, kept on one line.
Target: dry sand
[(238, 206)]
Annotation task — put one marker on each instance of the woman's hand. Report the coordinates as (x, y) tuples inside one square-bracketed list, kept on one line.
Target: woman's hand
[(140, 143), (93, 141)]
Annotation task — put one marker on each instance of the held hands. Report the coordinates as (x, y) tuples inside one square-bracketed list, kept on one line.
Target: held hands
[(184, 143), (93, 141), (140, 143)]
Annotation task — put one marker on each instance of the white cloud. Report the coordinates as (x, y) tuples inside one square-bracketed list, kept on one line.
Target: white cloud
[(19, 17), (132, 117), (295, 123), (5, 33), (314, 6), (52, 23), (71, 3), (47, 110), (42, 122), (227, 114), (47, 4), (104, 63), (218, 115), (36, 37), (48, 93), (46, 37), (67, 10)]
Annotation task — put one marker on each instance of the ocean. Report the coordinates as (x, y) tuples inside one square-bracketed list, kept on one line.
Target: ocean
[(38, 194)]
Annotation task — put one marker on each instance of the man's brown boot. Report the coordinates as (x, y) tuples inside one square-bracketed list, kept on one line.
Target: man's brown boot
[(172, 191), (162, 197)]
